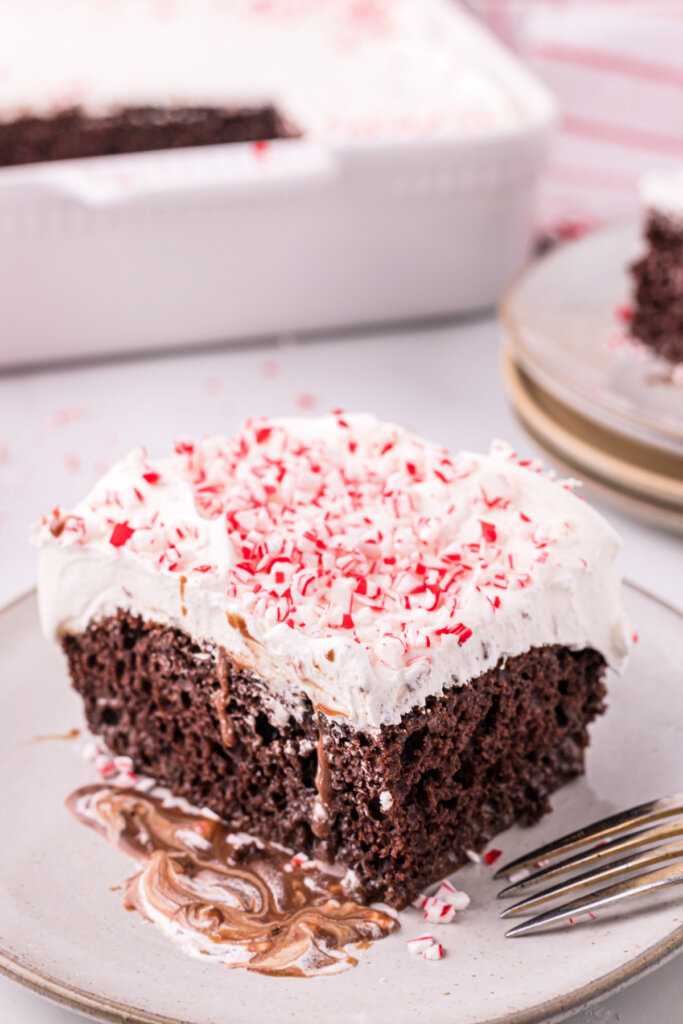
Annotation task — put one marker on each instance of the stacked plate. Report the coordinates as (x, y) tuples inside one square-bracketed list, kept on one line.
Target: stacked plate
[(595, 400)]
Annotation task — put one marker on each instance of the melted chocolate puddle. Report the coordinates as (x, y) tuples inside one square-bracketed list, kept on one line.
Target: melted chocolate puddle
[(221, 894)]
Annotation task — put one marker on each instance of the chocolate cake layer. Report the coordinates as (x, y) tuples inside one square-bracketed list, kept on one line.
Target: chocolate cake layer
[(74, 133), (401, 807), (658, 280)]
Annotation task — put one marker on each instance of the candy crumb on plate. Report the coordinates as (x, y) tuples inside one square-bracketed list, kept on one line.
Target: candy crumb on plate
[(419, 945), (434, 952)]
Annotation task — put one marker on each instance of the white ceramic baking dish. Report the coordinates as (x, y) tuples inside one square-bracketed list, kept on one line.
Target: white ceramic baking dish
[(137, 252)]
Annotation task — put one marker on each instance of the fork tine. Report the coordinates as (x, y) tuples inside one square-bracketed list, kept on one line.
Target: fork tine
[(625, 865), (672, 874), (632, 841), (615, 824)]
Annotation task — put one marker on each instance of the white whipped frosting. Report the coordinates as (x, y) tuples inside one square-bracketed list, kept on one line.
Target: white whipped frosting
[(663, 191), (340, 558), (339, 69)]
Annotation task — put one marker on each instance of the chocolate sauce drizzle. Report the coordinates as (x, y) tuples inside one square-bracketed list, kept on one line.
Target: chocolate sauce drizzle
[(220, 700), (224, 895), (57, 525), (72, 734), (322, 811)]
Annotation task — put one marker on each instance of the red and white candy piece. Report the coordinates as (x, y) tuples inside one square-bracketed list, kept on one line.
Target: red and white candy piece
[(491, 856), (300, 860), (434, 952), (419, 945), (458, 899), (438, 912), (145, 785), (105, 766)]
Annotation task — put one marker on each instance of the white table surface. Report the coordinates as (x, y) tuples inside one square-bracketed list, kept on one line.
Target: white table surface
[(59, 430)]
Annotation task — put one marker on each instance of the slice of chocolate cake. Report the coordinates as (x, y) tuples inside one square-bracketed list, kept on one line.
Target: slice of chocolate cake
[(658, 276), (339, 636)]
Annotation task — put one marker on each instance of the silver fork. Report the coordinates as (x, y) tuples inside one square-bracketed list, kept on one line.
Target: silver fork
[(646, 834)]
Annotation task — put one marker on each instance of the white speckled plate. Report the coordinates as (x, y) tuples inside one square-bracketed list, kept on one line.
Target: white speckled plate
[(63, 931)]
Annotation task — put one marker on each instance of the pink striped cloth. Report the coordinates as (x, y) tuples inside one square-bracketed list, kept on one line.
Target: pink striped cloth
[(616, 67)]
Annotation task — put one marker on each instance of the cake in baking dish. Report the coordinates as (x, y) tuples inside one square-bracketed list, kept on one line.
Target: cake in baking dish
[(339, 636), (85, 78), (658, 276)]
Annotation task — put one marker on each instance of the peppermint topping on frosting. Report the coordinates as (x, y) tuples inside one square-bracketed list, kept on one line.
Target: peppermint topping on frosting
[(362, 529), (342, 558)]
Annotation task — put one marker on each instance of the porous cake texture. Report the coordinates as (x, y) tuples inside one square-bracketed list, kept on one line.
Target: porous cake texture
[(73, 133), (340, 636)]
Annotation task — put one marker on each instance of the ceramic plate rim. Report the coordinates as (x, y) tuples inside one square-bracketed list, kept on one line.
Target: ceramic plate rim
[(80, 1001), (578, 454)]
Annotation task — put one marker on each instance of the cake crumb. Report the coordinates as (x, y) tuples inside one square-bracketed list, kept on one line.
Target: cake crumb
[(420, 944), (458, 899)]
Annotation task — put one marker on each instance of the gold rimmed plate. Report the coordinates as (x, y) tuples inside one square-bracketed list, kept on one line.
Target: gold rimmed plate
[(560, 321), (64, 933), (639, 478)]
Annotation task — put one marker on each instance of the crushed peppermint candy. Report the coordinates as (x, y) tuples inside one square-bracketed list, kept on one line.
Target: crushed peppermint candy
[(420, 944), (434, 952), (442, 906), (269, 368), (458, 899), (105, 766), (121, 533), (386, 800), (114, 768), (438, 912), (353, 529), (491, 856), (305, 401), (425, 946)]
